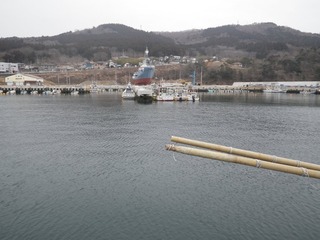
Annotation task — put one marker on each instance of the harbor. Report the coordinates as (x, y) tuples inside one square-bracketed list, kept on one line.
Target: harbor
[(212, 134), (87, 89), (99, 161)]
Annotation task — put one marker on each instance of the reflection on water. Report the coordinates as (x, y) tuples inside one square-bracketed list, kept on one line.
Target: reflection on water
[(264, 98), (95, 167)]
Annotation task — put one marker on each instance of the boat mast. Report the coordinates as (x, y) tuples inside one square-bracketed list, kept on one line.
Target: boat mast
[(146, 53)]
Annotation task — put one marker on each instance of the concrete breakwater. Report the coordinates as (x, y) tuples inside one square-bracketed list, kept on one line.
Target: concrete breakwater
[(64, 89), (19, 91), (68, 89)]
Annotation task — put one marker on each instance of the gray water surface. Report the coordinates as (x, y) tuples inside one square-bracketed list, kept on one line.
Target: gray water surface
[(95, 167)]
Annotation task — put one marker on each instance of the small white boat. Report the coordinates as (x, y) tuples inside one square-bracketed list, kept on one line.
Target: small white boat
[(193, 96), (165, 97), (177, 94), (308, 91), (48, 92), (273, 91), (166, 94), (275, 88), (128, 93), (12, 92), (56, 91)]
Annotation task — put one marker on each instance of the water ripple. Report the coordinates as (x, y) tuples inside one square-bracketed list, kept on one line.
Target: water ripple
[(95, 167)]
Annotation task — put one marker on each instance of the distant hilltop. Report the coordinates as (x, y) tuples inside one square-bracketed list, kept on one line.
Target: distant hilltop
[(265, 51), (109, 40)]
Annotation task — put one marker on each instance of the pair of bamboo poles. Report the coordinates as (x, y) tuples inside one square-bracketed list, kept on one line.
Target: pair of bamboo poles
[(249, 158)]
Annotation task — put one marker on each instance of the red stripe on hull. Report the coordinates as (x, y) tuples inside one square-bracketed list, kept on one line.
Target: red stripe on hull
[(142, 81)]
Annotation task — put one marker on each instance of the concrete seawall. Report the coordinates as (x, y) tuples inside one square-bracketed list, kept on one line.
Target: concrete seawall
[(66, 89)]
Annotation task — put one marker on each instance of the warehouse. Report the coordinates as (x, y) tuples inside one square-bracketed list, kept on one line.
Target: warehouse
[(23, 80)]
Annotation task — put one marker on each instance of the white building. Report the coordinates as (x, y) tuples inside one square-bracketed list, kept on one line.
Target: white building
[(9, 67), (23, 79)]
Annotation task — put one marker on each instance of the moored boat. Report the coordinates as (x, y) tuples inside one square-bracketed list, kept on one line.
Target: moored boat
[(128, 93), (273, 91), (177, 94), (193, 96), (144, 94), (275, 88), (145, 72), (166, 95)]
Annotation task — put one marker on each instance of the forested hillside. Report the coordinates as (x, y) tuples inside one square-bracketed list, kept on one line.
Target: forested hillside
[(256, 52)]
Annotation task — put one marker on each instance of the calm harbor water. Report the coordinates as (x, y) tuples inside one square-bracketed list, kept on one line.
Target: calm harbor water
[(95, 167)]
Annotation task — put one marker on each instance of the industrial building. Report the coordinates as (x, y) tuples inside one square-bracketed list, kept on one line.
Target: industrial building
[(9, 67), (23, 80)]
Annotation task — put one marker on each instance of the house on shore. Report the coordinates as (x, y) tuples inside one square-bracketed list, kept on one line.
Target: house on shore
[(9, 67)]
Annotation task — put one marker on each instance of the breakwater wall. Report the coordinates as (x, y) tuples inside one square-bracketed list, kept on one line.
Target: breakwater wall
[(68, 89), (64, 89)]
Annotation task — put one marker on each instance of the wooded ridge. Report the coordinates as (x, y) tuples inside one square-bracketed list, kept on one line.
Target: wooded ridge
[(256, 52)]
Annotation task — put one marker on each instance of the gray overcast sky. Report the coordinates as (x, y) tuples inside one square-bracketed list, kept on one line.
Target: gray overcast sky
[(27, 18)]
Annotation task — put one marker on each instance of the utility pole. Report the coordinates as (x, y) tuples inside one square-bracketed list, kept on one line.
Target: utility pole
[(201, 75), (194, 77)]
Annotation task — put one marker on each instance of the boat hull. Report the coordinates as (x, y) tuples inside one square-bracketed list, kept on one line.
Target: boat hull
[(143, 76), (141, 81), (128, 93), (145, 72)]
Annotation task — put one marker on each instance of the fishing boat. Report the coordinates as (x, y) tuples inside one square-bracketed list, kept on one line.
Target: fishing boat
[(166, 94), (270, 90), (274, 88), (128, 93), (193, 96), (145, 72), (144, 94), (174, 93)]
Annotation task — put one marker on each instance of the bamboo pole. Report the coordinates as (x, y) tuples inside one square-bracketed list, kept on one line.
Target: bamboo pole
[(246, 153), (245, 161)]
